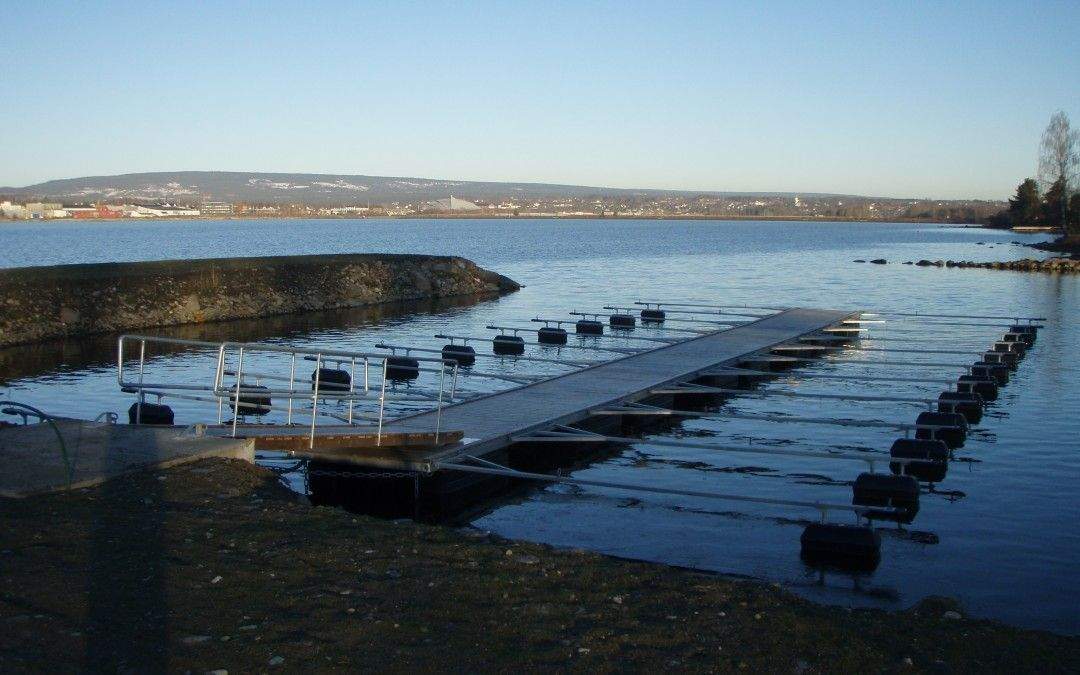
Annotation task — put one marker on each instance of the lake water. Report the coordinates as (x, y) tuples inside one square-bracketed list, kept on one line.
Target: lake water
[(1001, 533)]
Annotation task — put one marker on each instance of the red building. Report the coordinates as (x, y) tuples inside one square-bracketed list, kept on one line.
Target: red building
[(96, 211)]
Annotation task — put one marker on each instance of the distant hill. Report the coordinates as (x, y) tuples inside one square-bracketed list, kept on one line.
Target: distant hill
[(318, 189)]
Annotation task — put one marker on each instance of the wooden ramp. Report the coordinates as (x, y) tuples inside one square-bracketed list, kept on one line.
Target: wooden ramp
[(488, 423)]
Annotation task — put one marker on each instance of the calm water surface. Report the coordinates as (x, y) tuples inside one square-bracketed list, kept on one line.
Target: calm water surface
[(1002, 532)]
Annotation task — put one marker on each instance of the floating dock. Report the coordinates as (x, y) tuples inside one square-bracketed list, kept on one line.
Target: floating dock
[(492, 422), (387, 429)]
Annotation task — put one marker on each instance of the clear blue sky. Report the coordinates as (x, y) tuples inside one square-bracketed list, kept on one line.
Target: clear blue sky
[(898, 99)]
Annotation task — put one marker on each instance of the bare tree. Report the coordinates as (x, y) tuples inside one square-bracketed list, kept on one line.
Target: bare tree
[(1059, 152)]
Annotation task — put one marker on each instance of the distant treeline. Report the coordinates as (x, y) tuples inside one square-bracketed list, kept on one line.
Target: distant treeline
[(1029, 208), (1059, 206)]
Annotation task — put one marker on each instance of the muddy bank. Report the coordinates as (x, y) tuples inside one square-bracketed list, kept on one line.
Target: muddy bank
[(42, 303), (214, 565)]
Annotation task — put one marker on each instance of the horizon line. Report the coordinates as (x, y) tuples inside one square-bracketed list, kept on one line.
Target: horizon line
[(511, 182)]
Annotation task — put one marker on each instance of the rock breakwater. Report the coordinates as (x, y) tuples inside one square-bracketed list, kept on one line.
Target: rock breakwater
[(1052, 265), (42, 303)]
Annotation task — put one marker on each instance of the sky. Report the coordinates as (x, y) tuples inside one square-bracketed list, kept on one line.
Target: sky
[(904, 99)]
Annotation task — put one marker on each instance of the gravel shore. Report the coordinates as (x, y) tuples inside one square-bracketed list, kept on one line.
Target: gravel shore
[(214, 565)]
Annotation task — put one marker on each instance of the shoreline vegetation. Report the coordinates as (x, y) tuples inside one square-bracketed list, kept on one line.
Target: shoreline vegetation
[(215, 565), (1052, 201)]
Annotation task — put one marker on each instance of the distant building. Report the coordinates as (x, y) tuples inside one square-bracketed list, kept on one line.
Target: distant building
[(38, 210), (348, 210), (161, 211), (32, 210), (96, 211), (9, 210), (80, 211), (216, 209), (454, 204)]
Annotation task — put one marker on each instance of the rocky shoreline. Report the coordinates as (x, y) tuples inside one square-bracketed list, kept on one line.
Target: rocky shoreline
[(1051, 265), (43, 303)]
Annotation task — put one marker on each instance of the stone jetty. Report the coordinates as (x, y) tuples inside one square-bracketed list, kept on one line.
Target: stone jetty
[(42, 303)]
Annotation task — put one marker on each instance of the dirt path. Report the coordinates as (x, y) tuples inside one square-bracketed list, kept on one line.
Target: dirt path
[(213, 565)]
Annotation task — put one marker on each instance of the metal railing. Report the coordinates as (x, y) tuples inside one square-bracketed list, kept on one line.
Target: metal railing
[(230, 386)]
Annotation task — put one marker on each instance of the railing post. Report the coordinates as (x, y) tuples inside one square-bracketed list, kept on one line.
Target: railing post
[(239, 379), (120, 360), (142, 368), (382, 403), (292, 388), (219, 375), (438, 409), (315, 400), (352, 382)]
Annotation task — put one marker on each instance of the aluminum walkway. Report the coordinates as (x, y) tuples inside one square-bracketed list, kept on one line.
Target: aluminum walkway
[(490, 422)]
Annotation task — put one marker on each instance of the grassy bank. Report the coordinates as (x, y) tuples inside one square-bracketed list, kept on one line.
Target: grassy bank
[(214, 565)]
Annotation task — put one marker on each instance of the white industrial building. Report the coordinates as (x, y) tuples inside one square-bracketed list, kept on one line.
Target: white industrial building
[(454, 204)]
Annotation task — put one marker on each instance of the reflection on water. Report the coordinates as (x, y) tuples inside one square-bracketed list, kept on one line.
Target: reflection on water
[(99, 351), (1000, 532)]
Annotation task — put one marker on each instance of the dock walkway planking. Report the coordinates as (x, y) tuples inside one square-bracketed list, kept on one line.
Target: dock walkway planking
[(489, 422)]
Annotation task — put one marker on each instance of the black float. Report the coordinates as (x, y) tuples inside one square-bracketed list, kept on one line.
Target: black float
[(882, 489), (402, 368), (1018, 348), (254, 400), (622, 321), (969, 405), (549, 335), (983, 386), (653, 316), (463, 354), (846, 546), (948, 427), (589, 327), (935, 454), (331, 379), (1017, 337), (1007, 359), (1031, 331), (997, 372), (508, 345), (152, 413)]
